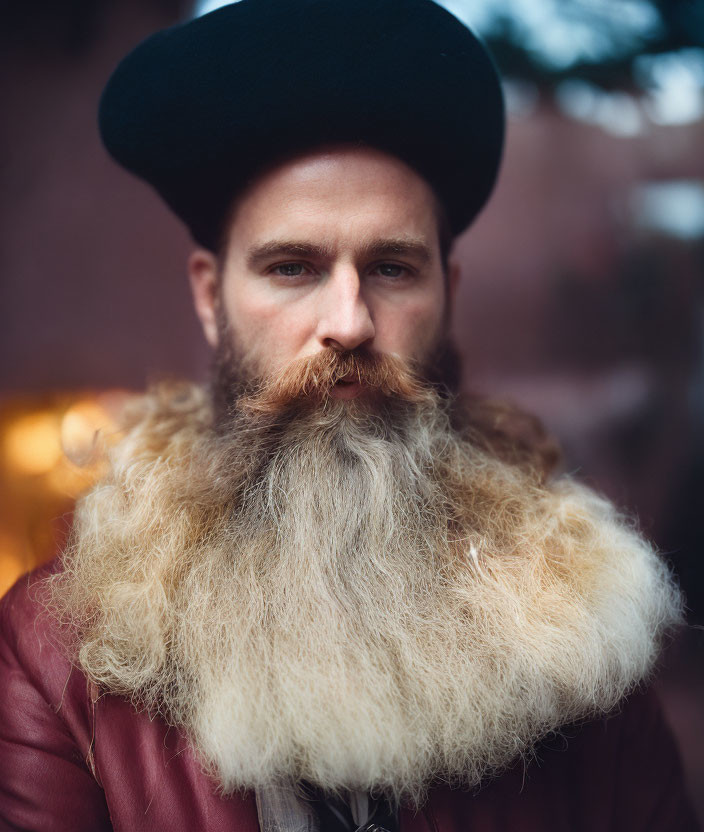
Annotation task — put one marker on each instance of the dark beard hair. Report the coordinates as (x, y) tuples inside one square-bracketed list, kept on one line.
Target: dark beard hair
[(501, 428), (234, 379)]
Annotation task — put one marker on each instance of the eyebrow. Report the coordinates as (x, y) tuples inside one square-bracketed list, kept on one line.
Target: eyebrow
[(257, 254), (384, 247), (401, 247)]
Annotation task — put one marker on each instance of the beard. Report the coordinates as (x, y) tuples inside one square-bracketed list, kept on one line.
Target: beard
[(238, 379), (356, 594)]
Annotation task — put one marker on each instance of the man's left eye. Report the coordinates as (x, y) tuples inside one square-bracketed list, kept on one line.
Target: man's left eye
[(290, 269), (391, 270)]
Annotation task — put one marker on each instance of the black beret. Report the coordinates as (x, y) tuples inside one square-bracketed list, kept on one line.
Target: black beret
[(198, 109)]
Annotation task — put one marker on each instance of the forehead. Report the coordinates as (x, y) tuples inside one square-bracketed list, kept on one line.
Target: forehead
[(337, 195)]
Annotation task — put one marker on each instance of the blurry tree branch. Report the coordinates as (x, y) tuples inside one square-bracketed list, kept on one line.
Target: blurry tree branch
[(679, 24)]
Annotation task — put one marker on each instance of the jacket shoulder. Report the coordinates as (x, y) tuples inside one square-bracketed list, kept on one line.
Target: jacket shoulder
[(31, 638), (45, 721)]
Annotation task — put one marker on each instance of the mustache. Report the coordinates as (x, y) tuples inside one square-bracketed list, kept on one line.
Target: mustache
[(312, 379)]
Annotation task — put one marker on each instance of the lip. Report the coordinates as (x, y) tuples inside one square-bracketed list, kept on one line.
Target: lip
[(346, 388)]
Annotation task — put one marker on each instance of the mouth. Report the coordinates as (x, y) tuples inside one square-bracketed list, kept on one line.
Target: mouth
[(348, 387)]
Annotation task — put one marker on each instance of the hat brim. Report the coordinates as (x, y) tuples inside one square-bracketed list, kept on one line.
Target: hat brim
[(196, 110)]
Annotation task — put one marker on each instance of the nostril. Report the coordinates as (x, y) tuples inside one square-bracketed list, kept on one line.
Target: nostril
[(332, 344)]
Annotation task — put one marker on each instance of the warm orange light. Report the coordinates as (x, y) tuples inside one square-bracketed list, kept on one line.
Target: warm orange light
[(69, 480), (12, 563), (32, 443), (81, 428), (51, 451)]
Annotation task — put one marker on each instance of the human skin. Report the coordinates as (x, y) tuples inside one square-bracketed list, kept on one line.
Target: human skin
[(335, 249)]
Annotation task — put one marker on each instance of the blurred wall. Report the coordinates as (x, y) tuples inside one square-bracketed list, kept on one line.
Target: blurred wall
[(93, 286)]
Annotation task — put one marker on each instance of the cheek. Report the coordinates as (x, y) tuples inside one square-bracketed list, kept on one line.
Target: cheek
[(412, 328), (273, 331), (249, 313)]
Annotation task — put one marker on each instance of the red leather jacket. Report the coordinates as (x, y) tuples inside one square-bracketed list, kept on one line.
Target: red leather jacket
[(75, 760)]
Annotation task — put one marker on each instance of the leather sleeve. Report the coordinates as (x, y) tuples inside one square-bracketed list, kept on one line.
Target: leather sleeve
[(45, 781)]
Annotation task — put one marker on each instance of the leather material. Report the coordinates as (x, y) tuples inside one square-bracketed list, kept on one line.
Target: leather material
[(73, 760)]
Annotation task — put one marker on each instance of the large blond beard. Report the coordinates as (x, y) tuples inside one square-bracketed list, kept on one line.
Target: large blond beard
[(354, 594)]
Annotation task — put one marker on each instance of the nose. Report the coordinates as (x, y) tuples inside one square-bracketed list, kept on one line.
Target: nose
[(345, 320)]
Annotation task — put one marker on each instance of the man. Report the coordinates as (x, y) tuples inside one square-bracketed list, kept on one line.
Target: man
[(329, 595)]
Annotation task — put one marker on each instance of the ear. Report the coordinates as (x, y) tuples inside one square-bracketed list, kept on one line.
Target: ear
[(453, 279), (203, 275)]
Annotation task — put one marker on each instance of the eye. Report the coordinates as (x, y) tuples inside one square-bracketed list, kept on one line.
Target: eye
[(291, 274), (392, 271), (289, 269)]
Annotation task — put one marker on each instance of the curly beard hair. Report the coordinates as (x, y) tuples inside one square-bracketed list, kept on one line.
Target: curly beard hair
[(362, 594)]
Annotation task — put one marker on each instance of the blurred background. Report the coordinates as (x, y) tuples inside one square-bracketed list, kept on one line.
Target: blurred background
[(582, 296)]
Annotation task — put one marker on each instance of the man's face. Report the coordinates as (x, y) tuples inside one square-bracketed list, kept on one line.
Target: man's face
[(336, 249)]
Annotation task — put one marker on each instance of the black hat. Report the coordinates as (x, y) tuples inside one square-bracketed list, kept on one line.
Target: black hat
[(198, 109)]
